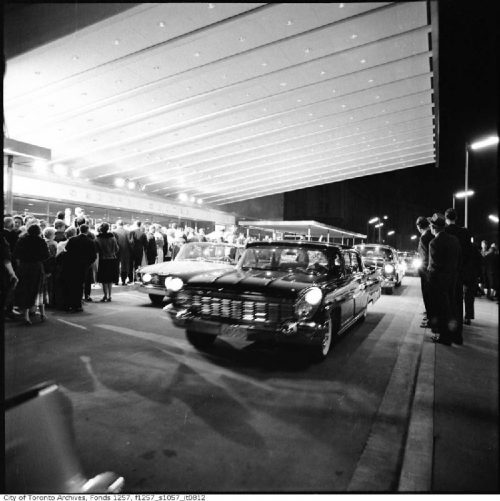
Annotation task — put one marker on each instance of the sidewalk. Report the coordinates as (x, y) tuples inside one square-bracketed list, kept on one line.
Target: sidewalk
[(453, 440)]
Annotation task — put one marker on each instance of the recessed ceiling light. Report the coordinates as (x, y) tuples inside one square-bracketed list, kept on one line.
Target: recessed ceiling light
[(161, 24), (196, 54), (299, 100), (321, 126), (353, 36), (370, 81), (264, 109), (289, 22), (322, 72), (333, 90), (116, 42), (341, 5), (283, 84), (377, 97), (211, 6), (351, 118), (307, 51), (264, 63), (310, 114), (363, 61), (242, 39), (343, 106)]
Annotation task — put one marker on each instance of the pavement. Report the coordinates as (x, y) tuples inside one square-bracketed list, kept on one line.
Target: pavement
[(436, 428), (452, 444)]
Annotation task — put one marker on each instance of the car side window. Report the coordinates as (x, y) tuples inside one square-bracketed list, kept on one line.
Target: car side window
[(355, 262), (347, 262)]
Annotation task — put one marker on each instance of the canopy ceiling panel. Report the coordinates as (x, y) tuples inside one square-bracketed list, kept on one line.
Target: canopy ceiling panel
[(229, 102)]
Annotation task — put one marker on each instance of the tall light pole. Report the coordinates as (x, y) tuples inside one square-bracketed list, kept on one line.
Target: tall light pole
[(379, 225), (371, 221), (478, 145)]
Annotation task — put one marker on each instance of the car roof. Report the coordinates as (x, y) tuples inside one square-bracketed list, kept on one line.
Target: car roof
[(377, 245)]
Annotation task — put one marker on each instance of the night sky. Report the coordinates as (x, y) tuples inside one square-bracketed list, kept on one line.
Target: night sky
[(468, 94)]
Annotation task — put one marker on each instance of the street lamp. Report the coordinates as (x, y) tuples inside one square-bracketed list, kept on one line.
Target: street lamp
[(493, 218), (462, 194), (478, 145), (413, 237), (379, 225), (389, 233)]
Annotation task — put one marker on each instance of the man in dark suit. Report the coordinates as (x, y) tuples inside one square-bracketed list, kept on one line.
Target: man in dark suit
[(423, 250), (122, 237), (80, 253), (444, 257), (465, 264), (138, 242)]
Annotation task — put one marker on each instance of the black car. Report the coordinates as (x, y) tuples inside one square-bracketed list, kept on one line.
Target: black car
[(280, 292)]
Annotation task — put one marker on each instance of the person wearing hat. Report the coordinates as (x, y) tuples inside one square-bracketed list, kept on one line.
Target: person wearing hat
[(423, 250), (465, 287), (444, 257)]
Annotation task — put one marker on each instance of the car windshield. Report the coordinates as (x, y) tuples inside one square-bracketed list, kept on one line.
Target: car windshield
[(285, 259), (207, 251), (375, 252)]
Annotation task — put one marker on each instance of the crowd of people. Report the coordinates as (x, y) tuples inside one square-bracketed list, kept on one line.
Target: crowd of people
[(55, 266), (453, 273)]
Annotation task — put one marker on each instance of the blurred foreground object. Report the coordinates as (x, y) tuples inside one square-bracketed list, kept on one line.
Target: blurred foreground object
[(40, 452)]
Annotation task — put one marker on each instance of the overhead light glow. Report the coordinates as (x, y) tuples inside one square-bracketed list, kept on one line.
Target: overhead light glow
[(183, 197), (40, 165), (373, 220), (199, 201), (484, 143), (389, 233), (119, 182), (464, 194), (413, 237), (493, 218), (131, 185), (60, 170)]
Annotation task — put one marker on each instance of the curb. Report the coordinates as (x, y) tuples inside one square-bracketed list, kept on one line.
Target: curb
[(379, 464), (416, 472)]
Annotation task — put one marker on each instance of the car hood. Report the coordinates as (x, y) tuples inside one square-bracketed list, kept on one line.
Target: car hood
[(263, 281), (184, 267)]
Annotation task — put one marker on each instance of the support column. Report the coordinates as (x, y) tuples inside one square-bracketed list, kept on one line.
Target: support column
[(9, 197)]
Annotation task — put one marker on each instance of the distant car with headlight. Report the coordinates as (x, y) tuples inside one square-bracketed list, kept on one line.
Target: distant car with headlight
[(160, 280), (385, 258), (413, 262), (281, 292)]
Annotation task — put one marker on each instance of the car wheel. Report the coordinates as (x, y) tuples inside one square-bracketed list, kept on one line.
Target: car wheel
[(199, 340), (320, 352), (157, 300)]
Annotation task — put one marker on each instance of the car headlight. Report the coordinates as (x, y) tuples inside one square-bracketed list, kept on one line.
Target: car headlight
[(173, 284), (388, 268), (308, 303), (146, 278), (417, 263)]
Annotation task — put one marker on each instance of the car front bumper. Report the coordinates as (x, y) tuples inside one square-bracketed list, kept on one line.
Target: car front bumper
[(289, 332)]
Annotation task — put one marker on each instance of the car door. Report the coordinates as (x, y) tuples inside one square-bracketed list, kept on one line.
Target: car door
[(347, 290), (359, 279)]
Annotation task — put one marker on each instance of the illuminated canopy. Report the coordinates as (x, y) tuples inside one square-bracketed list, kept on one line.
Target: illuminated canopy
[(312, 228), (231, 101)]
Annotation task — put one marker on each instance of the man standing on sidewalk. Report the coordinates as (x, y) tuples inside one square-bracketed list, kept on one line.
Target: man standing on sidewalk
[(423, 250), (465, 265), (444, 256)]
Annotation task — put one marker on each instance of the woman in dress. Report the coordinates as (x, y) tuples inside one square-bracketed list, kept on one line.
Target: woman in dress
[(31, 251), (107, 250)]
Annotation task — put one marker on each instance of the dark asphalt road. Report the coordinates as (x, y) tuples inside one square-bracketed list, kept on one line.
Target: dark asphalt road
[(243, 418)]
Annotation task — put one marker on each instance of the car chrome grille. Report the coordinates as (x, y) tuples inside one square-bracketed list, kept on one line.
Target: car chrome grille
[(245, 309)]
